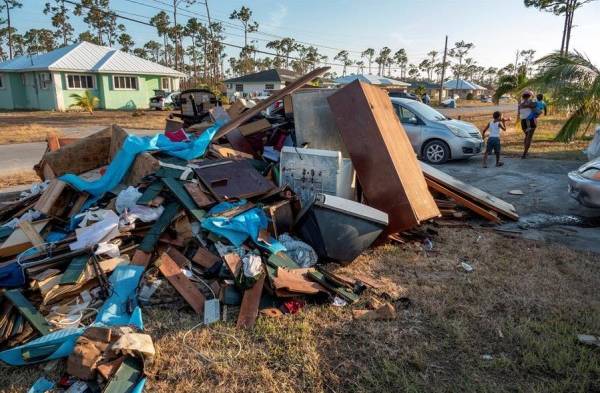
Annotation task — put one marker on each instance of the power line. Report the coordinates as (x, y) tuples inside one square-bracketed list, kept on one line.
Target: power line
[(112, 12)]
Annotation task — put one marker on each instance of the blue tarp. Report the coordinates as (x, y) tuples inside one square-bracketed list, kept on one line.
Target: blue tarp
[(124, 281), (237, 229), (132, 146)]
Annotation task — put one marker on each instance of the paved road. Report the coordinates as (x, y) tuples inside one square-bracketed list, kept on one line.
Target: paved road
[(545, 197), (23, 156)]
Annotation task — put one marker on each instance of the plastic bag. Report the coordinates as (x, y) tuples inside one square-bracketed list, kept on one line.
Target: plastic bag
[(302, 253), (593, 149), (127, 199)]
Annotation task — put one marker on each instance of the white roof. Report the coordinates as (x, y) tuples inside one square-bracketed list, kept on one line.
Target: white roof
[(461, 84), (87, 57), (372, 79)]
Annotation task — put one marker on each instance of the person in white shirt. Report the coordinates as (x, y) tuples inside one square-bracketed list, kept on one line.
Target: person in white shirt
[(526, 106), (493, 143)]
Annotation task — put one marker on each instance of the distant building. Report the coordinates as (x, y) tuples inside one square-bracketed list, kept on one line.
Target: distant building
[(381, 81), (259, 83), (462, 88), (46, 81), (431, 88)]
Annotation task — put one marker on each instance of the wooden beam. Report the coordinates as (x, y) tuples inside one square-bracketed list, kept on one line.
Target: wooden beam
[(182, 284), (250, 303), (462, 201)]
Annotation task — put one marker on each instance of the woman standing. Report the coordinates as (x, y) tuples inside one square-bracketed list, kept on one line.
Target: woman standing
[(526, 106)]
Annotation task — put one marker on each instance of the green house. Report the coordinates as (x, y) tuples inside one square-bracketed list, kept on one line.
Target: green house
[(47, 81)]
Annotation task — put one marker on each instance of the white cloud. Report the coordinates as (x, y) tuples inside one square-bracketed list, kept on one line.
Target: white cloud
[(277, 17)]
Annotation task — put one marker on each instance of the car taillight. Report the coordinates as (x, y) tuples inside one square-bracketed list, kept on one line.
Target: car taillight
[(591, 173)]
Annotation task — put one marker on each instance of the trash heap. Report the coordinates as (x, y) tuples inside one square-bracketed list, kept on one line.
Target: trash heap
[(242, 211)]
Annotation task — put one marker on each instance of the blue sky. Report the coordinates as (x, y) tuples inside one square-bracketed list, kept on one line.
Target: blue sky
[(497, 27)]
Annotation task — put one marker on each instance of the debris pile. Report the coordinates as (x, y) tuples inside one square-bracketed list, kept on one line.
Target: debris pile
[(238, 211)]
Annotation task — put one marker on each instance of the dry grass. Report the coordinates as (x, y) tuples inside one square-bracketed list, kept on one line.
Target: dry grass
[(33, 132), (17, 179), (543, 145), (21, 127), (523, 306)]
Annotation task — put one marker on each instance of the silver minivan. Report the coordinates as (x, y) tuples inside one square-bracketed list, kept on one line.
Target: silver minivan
[(435, 137)]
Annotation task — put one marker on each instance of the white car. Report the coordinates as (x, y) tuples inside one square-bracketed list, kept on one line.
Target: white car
[(161, 102)]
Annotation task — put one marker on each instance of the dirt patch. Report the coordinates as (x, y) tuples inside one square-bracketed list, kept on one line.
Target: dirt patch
[(21, 127), (18, 179), (508, 326)]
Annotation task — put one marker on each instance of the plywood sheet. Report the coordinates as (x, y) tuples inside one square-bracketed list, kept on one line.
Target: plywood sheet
[(382, 155), (468, 191)]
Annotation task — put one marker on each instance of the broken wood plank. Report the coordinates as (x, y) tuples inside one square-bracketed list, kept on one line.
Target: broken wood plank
[(250, 113), (151, 238), (150, 193), (27, 309), (32, 234), (18, 242), (467, 191), (250, 303), (462, 201), (182, 195), (141, 258), (254, 127), (205, 258), (381, 153), (202, 197), (182, 284), (75, 270)]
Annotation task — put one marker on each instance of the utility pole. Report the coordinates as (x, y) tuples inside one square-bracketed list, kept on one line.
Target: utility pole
[(10, 46), (176, 32), (517, 64), (443, 70)]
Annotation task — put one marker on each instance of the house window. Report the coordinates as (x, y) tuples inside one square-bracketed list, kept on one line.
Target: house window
[(229, 86), (269, 86), (239, 87), (75, 81), (1, 81), (165, 83), (45, 80), (125, 82)]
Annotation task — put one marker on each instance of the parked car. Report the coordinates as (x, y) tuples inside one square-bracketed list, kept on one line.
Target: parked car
[(404, 94), (435, 137), (584, 184), (164, 101)]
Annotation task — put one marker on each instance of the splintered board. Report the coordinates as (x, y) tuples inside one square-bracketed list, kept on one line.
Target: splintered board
[(469, 192), (382, 155), (182, 284), (27, 309)]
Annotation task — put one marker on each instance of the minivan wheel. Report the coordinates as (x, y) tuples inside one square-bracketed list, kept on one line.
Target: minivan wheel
[(436, 152)]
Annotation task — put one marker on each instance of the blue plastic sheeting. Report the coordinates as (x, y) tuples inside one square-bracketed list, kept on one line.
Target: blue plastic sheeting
[(132, 146), (237, 229), (11, 276), (124, 281), (42, 385)]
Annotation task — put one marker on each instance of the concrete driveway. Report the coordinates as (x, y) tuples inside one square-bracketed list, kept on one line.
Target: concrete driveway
[(547, 211)]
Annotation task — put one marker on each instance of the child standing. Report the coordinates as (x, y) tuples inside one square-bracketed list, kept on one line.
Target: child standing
[(493, 142)]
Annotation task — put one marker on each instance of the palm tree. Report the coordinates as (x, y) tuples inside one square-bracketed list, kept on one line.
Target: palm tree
[(368, 53), (575, 85), (86, 101)]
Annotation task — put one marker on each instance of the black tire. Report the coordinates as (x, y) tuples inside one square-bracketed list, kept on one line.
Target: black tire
[(436, 152)]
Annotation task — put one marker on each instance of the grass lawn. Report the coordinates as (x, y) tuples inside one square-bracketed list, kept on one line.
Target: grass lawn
[(509, 326), (32, 126)]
